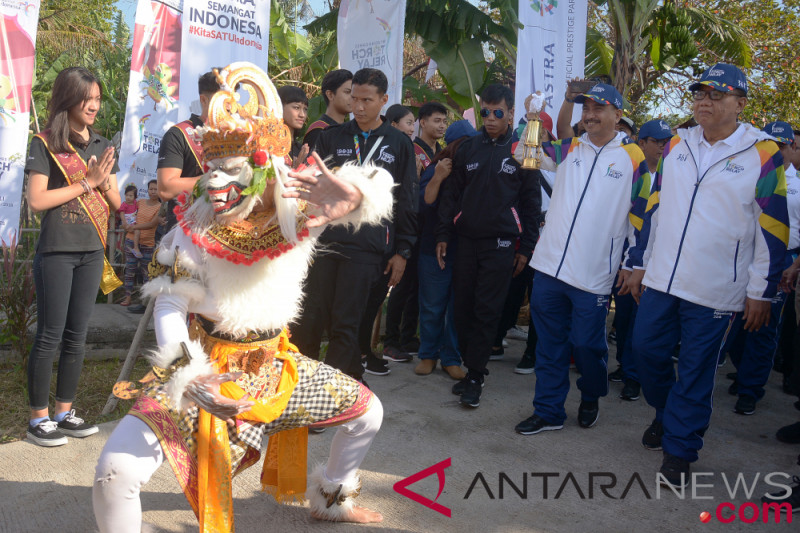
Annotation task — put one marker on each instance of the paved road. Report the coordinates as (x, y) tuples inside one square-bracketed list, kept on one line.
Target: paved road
[(50, 489)]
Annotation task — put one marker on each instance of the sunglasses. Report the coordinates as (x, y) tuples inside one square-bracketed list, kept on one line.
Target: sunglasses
[(497, 113)]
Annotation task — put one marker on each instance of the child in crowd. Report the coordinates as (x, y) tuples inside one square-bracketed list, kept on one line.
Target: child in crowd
[(127, 214)]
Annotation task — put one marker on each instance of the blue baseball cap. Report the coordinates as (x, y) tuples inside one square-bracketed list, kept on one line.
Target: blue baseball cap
[(603, 94), (657, 129), (722, 77), (782, 131), (458, 129)]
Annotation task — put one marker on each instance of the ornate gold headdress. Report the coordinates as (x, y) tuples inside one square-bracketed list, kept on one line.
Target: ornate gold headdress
[(233, 129)]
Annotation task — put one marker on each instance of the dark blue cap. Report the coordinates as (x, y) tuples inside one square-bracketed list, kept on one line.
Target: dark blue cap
[(782, 131), (602, 93), (657, 129), (458, 129), (722, 77)]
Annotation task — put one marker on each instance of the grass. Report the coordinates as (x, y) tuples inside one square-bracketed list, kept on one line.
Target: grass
[(97, 380)]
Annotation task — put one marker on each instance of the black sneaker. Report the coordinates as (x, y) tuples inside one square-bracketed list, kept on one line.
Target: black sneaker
[(791, 497), (675, 472), (616, 376), (745, 405), (46, 433), (588, 413), (377, 367), (612, 337), (391, 353), (459, 388), (789, 434), (471, 397), (630, 392), (652, 436), (526, 365), (535, 424), (72, 426), (496, 354), (733, 390)]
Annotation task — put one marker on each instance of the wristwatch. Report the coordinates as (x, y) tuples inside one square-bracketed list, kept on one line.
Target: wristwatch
[(405, 253)]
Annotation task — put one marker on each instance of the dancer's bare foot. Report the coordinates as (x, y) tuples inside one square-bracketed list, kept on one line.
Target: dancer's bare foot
[(359, 515)]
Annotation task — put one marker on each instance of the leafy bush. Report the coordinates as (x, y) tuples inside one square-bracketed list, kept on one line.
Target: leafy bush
[(17, 297)]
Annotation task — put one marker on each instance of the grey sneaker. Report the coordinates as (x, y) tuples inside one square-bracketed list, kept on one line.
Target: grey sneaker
[(74, 426), (46, 433)]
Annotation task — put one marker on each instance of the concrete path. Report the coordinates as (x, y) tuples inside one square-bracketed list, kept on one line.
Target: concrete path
[(50, 489)]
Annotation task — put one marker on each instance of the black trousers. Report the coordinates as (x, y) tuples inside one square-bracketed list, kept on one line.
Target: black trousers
[(402, 309), (337, 291), (377, 294), (66, 288), (481, 276), (517, 289)]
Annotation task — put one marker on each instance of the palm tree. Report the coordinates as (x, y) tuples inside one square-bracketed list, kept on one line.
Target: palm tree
[(635, 42)]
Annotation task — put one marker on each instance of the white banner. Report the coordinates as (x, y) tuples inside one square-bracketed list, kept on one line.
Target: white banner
[(153, 94), (18, 21), (551, 50), (370, 34), (218, 33)]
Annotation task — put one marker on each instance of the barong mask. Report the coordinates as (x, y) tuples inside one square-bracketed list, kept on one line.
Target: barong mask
[(243, 144)]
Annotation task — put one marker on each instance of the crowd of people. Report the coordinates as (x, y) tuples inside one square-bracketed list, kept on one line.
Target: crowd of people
[(693, 232)]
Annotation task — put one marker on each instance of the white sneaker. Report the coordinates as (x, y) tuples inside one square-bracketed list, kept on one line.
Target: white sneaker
[(517, 333)]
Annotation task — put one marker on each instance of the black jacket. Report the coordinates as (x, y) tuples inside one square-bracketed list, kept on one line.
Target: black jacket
[(396, 154), (488, 195)]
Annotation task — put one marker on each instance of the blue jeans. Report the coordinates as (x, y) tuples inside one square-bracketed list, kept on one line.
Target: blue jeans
[(682, 403), (567, 319), (437, 329)]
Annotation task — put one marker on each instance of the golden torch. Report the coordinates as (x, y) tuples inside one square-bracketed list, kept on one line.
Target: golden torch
[(532, 143)]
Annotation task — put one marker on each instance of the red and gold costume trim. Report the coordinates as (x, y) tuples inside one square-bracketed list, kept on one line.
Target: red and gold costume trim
[(244, 242)]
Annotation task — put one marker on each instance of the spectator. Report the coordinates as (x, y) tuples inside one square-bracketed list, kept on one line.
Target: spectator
[(628, 127), (599, 196), (336, 92), (127, 214), (74, 197), (145, 225), (180, 153), (486, 204), (400, 341), (339, 281), (432, 125), (437, 330), (653, 136), (752, 352), (700, 274), (401, 118), (295, 113)]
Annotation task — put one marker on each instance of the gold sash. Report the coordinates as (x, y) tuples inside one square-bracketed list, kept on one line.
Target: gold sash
[(74, 169)]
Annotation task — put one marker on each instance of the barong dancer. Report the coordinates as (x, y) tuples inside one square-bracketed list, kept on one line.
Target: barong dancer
[(234, 264)]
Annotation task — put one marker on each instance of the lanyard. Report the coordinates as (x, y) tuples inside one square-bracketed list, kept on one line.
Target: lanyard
[(371, 152)]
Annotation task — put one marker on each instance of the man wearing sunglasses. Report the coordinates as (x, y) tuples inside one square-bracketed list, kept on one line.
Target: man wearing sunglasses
[(487, 203), (599, 196), (712, 245)]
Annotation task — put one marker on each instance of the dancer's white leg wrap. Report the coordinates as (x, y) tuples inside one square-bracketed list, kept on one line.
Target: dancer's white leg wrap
[(333, 486), (130, 457)]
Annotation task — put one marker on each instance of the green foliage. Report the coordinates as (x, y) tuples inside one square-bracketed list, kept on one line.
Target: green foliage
[(17, 297)]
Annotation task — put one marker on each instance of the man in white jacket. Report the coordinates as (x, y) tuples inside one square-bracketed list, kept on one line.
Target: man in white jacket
[(599, 196), (712, 245)]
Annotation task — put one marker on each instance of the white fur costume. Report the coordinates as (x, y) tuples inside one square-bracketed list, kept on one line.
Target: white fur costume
[(239, 299)]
